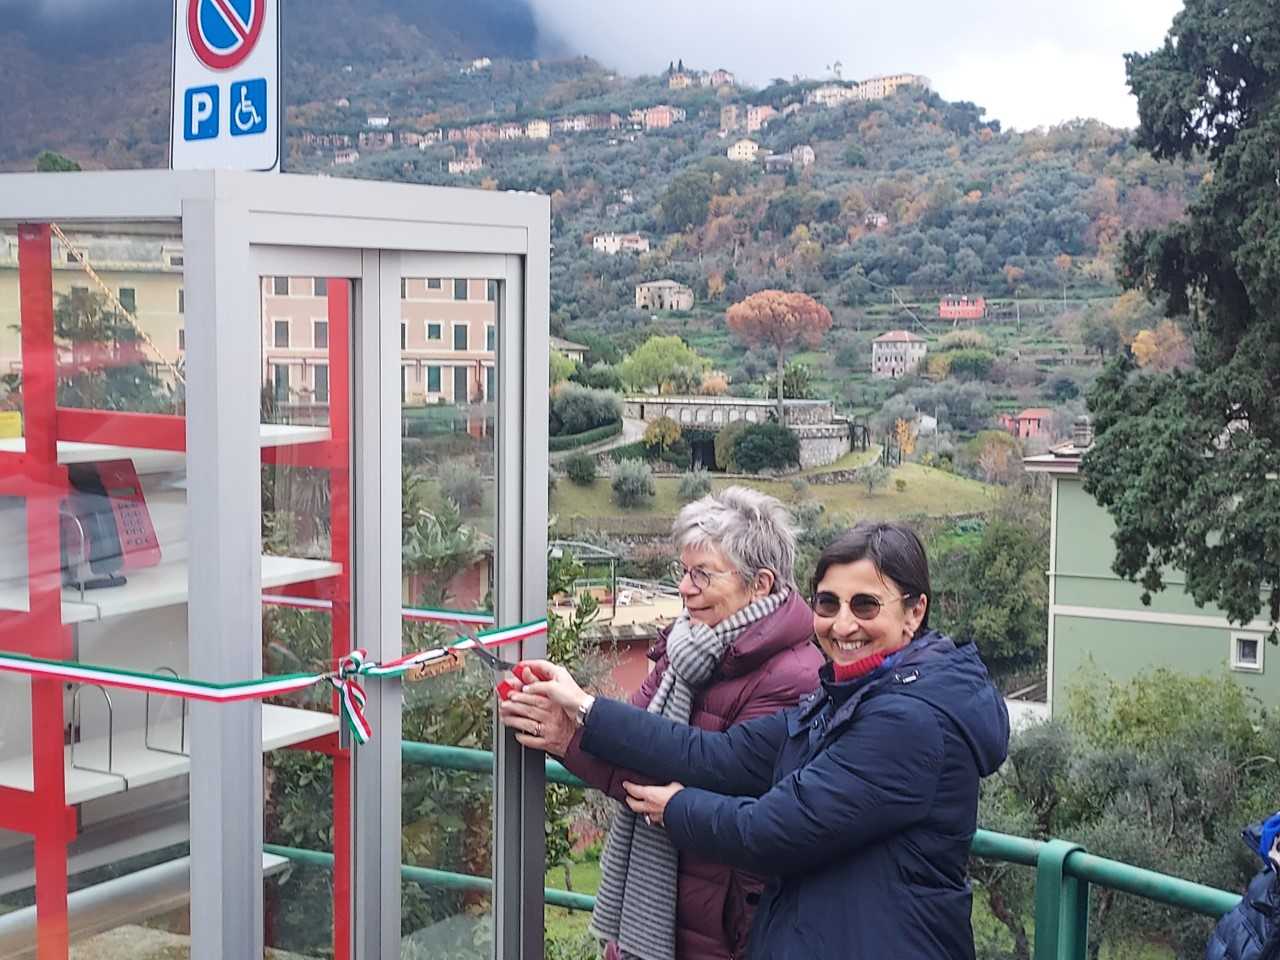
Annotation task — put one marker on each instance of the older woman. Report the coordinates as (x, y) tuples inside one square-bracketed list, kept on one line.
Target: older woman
[(861, 802), (740, 649)]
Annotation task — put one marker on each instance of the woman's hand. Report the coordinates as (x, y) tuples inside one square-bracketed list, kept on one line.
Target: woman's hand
[(650, 802), (542, 678), (538, 722)]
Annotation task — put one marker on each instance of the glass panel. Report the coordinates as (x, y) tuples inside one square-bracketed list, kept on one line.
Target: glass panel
[(306, 485), (449, 519), (93, 568)]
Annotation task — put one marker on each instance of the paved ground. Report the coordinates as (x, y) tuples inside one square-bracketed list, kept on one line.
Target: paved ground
[(632, 430), (143, 943)]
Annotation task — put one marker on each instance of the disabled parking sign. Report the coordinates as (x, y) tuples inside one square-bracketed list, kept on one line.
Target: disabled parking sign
[(226, 93)]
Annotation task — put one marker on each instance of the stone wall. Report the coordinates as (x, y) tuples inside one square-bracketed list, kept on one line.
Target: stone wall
[(820, 445)]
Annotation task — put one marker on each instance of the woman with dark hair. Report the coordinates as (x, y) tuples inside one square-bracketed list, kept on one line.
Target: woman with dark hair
[(859, 804)]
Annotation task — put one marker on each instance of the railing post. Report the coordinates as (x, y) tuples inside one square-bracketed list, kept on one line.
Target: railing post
[(1062, 905)]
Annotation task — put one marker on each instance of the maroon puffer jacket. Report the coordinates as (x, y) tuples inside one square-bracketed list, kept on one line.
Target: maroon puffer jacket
[(770, 667)]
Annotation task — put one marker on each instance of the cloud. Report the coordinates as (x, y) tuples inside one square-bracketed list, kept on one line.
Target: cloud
[(1029, 62)]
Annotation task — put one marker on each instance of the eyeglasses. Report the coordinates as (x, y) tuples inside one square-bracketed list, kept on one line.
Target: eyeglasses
[(864, 606), (700, 578)]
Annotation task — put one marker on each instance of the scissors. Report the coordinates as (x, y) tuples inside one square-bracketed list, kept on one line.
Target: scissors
[(498, 666)]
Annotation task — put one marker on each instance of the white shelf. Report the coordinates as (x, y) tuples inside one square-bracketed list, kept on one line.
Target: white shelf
[(157, 461), (162, 586), (281, 727)]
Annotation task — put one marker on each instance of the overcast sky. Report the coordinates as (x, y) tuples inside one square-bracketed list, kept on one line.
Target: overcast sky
[(1029, 62)]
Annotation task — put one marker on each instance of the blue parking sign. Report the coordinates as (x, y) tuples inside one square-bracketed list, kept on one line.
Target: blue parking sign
[(200, 113), (248, 107)]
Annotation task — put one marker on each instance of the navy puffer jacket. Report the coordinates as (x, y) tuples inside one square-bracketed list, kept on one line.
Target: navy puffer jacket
[(860, 804), (1252, 930)]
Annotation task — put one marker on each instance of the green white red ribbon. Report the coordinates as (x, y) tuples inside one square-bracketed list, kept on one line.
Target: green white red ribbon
[(346, 679)]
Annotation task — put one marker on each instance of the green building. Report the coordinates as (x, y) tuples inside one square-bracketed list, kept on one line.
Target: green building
[(1095, 615)]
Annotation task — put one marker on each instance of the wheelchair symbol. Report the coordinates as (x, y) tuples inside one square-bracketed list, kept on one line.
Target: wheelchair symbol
[(249, 107)]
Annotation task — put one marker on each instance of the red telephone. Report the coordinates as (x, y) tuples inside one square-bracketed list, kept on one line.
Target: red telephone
[(106, 526)]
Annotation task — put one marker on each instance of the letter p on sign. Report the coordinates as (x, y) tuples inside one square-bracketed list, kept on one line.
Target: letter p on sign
[(201, 113)]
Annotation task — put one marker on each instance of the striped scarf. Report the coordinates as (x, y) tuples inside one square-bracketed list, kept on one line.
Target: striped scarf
[(636, 903)]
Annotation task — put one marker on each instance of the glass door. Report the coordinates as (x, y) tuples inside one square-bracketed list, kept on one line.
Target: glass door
[(458, 323)]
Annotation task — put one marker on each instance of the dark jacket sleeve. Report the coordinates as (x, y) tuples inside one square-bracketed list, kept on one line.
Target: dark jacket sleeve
[(875, 779), (739, 761), (600, 773)]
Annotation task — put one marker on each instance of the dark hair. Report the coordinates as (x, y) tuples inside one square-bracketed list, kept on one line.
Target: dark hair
[(896, 552)]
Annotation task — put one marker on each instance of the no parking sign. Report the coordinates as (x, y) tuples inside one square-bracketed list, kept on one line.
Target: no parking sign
[(226, 98)]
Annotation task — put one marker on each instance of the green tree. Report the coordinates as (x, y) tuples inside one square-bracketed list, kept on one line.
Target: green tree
[(1184, 462), (797, 382), (49, 161), (874, 475), (724, 442), (686, 201), (667, 363), (662, 433), (108, 367), (766, 446), (633, 483), (562, 367)]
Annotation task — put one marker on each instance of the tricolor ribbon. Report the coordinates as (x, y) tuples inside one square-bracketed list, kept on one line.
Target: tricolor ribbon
[(346, 679)]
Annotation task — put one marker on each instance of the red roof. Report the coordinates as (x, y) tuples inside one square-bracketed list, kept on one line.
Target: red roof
[(1035, 413), (899, 336)]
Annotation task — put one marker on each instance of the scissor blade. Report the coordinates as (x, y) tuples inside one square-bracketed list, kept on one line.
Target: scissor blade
[(495, 663)]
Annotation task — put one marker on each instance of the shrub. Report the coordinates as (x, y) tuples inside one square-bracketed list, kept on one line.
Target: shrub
[(766, 446), (581, 469), (633, 483), (694, 484), (800, 487), (724, 442), (971, 364), (630, 451), (576, 409), (570, 441), (600, 376), (462, 483), (900, 485)]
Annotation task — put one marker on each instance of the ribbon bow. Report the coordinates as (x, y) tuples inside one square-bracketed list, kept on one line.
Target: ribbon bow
[(351, 696)]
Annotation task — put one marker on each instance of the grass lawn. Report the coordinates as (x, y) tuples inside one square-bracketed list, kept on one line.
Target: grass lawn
[(928, 491), (850, 461), (562, 923)]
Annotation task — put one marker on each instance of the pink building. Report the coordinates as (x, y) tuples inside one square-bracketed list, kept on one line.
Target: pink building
[(757, 117), (1032, 422), (447, 340)]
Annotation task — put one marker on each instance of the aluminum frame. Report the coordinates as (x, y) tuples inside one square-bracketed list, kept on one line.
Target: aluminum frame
[(309, 221)]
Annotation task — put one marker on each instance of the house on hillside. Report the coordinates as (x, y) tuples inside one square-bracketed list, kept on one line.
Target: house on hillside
[(757, 117), (875, 219), (729, 118), (877, 88), (377, 139), (1098, 622), (344, 158), (537, 129), (962, 307), (378, 122), (1031, 422), (777, 163), (574, 351), (615, 243), (718, 78), (663, 295), (830, 95), (897, 353), (680, 81), (744, 151), (467, 164), (802, 155)]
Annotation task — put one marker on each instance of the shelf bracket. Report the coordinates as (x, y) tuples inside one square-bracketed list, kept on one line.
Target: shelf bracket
[(75, 732), (182, 728)]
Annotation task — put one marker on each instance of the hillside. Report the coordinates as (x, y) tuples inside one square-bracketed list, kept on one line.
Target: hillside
[(85, 86)]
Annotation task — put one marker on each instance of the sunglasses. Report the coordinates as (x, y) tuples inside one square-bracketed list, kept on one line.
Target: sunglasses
[(864, 606)]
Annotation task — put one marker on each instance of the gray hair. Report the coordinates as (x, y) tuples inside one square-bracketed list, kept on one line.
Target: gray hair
[(753, 530)]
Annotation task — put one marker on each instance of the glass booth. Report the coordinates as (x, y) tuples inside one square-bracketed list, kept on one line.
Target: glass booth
[(248, 424)]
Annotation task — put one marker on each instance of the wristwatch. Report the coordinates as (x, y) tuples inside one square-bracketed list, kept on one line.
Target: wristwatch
[(584, 710)]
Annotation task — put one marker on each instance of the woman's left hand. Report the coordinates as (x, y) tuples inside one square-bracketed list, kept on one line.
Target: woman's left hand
[(650, 802)]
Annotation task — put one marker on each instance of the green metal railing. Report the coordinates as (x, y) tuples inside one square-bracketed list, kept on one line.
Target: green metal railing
[(1064, 870)]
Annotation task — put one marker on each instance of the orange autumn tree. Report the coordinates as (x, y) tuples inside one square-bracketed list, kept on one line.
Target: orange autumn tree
[(775, 318)]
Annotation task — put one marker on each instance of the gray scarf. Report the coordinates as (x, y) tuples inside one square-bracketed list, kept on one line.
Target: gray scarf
[(636, 903)]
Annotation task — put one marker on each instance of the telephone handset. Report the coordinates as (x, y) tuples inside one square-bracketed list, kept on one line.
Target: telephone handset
[(106, 528)]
